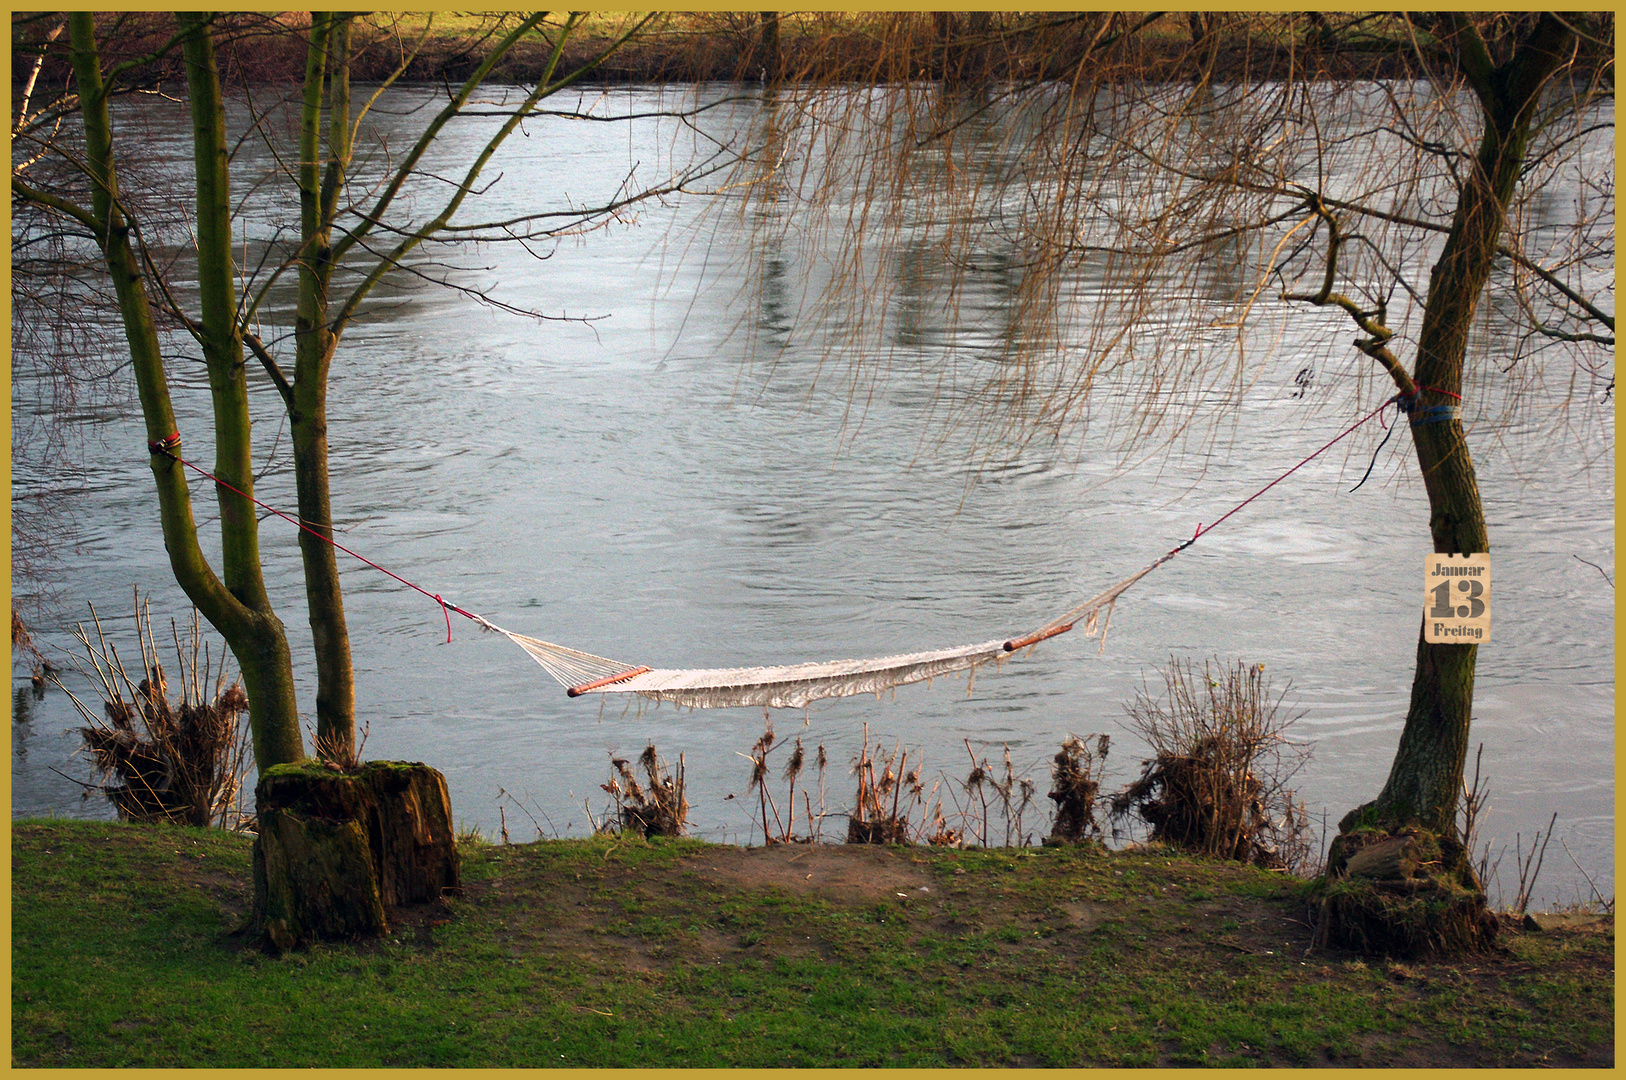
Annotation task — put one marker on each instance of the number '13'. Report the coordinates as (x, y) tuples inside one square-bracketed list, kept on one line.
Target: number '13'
[(1442, 608)]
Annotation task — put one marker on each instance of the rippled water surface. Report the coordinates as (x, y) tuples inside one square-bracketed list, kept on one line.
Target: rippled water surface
[(684, 481)]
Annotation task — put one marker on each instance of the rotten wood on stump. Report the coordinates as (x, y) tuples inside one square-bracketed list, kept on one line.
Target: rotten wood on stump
[(337, 849), (1392, 859)]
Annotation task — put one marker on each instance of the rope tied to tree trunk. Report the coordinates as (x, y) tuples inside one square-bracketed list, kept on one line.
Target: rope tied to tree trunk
[(165, 446), (1407, 403), (1436, 414)]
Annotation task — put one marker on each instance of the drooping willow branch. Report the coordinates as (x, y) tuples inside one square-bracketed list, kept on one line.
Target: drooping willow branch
[(1378, 337)]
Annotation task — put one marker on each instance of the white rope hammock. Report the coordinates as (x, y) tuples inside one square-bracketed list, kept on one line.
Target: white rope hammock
[(795, 685)]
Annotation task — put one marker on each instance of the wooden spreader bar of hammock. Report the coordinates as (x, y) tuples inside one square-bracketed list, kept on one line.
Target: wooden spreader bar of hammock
[(1036, 637), (578, 691)]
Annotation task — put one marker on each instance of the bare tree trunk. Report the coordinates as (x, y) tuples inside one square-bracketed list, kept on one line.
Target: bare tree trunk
[(327, 79), (237, 607), (978, 50), (330, 636), (1201, 24), (772, 70), (945, 28)]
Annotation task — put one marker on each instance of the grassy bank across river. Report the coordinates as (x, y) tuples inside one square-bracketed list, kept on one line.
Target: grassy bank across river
[(605, 952)]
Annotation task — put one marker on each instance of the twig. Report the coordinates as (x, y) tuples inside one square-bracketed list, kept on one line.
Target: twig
[(1608, 905), (1596, 567), (503, 791), (1527, 879), (87, 786)]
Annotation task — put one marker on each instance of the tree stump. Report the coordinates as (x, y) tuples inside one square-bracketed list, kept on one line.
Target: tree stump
[(1410, 893), (338, 848)]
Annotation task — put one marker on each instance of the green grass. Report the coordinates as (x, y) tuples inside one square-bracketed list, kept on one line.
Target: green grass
[(604, 953)]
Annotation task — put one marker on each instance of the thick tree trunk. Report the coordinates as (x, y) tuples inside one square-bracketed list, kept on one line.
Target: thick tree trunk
[(1425, 780), (339, 848), (1444, 909)]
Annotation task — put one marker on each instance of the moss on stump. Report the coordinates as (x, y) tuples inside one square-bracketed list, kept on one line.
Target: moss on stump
[(338, 848), (1406, 894)]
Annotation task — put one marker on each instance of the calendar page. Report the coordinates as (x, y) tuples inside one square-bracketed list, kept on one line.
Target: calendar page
[(1456, 598)]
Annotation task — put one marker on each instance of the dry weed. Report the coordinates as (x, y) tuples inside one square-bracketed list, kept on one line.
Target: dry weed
[(1076, 775), (880, 814), (657, 807), (1217, 781), (184, 762), (1012, 797), (777, 829)]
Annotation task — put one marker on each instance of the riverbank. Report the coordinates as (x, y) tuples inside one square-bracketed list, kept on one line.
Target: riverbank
[(804, 47), (628, 953)]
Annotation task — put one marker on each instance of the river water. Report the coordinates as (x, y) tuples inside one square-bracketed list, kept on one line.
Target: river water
[(685, 480)]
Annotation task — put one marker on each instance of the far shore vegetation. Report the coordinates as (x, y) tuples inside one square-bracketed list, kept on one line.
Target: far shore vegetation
[(809, 46)]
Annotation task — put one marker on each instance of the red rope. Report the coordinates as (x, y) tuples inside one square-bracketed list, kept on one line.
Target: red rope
[(166, 445), (1202, 531)]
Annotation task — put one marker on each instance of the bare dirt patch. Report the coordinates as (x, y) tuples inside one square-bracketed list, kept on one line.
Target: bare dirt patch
[(837, 872), (1087, 916)]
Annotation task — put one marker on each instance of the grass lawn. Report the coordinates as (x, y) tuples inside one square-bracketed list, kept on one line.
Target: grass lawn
[(125, 952)]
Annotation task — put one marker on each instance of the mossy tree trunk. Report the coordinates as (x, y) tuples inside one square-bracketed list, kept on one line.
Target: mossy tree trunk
[(1445, 909), (235, 602), (339, 848), (316, 338)]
